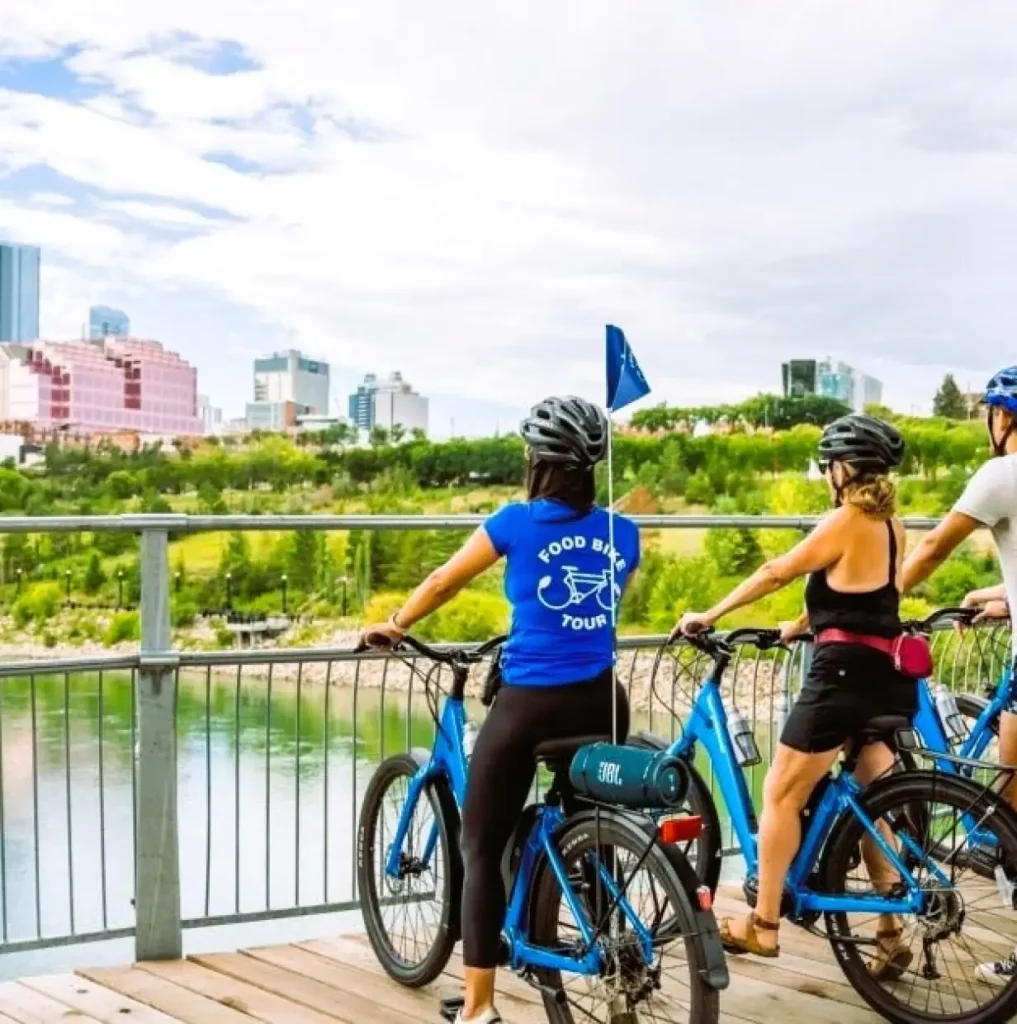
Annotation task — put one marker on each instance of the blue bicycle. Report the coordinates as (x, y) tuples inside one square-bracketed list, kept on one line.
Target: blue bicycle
[(918, 827), (604, 916), (964, 725)]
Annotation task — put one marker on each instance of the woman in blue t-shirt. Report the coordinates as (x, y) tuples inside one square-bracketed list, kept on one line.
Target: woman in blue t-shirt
[(557, 665)]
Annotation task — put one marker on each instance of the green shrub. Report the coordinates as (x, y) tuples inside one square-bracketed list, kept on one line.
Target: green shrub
[(223, 637), (123, 628), (184, 614), (49, 638), (39, 604), (472, 616), (382, 606), (683, 584)]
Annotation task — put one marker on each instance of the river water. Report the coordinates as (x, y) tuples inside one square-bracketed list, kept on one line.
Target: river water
[(270, 779)]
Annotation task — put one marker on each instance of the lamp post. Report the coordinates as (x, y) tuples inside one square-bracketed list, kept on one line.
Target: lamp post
[(229, 591), (120, 589), (285, 580), (67, 579), (345, 583), (20, 574), (176, 582)]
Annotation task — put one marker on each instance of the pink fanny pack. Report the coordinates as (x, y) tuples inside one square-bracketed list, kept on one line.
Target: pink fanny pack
[(911, 653)]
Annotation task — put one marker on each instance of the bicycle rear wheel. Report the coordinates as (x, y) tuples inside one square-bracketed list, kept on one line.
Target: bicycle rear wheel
[(969, 920), (673, 987), (412, 919)]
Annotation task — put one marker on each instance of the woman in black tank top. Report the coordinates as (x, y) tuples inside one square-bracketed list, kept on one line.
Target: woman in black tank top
[(852, 609)]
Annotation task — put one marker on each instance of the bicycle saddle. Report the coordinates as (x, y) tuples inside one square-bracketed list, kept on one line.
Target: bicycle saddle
[(564, 749), (883, 727)]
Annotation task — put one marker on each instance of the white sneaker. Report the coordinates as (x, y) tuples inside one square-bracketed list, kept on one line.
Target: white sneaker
[(1001, 972), (490, 1016)]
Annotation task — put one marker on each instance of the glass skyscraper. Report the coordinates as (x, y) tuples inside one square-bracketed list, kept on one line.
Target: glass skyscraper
[(106, 322), (19, 292)]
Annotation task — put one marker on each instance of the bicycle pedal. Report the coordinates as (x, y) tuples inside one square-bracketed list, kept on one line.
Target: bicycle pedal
[(449, 1008)]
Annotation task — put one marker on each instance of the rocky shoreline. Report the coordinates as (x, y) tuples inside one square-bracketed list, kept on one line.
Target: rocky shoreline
[(759, 686)]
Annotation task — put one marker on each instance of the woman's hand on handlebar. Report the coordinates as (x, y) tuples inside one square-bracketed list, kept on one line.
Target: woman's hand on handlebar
[(992, 610), (792, 630), (381, 636), (692, 624)]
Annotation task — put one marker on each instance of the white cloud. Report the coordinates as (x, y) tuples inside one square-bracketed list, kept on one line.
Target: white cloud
[(469, 191)]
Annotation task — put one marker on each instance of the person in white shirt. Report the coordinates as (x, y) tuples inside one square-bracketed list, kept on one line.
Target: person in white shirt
[(990, 500)]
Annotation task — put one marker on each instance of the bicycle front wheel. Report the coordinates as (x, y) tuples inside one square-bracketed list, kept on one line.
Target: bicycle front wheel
[(672, 986), (940, 967), (412, 915)]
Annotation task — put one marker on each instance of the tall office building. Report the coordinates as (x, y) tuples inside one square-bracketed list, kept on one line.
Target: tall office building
[(287, 385), (832, 380), (19, 292), (388, 404), (106, 322), (799, 377), (361, 405)]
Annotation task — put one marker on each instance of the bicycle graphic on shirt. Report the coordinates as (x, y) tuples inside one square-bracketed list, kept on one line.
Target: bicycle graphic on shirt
[(578, 587)]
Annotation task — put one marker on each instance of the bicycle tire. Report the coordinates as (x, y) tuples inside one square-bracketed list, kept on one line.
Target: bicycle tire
[(705, 852), (427, 963), (682, 926), (906, 791)]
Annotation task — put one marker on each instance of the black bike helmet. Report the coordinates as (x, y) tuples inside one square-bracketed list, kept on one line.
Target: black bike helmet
[(569, 431), (862, 441)]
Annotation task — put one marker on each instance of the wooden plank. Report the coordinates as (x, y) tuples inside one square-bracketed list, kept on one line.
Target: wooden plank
[(351, 1008), (26, 1006), (94, 1000), (180, 1003), (414, 1004), (515, 999), (248, 999)]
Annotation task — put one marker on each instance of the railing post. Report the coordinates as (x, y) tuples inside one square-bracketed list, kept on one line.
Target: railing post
[(158, 935)]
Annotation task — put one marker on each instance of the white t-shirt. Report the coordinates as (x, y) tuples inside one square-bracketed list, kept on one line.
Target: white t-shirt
[(991, 498)]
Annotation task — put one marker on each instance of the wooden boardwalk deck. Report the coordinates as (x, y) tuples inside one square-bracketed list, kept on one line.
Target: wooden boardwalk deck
[(325, 981)]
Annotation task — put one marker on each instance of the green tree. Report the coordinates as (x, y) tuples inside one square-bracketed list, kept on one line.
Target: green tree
[(949, 401), (94, 576)]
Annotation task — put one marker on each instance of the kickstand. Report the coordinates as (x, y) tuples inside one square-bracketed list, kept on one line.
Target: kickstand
[(449, 1008)]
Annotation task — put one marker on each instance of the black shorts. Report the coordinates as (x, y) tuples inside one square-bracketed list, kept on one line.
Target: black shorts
[(847, 686)]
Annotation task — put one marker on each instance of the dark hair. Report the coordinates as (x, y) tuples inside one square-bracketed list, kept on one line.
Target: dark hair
[(574, 486)]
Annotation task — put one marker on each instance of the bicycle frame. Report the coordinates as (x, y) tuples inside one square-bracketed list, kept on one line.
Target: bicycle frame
[(708, 725), (448, 761), (934, 738)]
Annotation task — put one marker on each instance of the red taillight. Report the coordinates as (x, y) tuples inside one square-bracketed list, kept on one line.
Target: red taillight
[(704, 898), (680, 830)]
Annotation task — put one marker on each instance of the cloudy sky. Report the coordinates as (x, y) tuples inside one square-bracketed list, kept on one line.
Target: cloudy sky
[(467, 191)]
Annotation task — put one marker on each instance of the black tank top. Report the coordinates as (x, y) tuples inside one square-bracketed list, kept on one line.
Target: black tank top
[(875, 612)]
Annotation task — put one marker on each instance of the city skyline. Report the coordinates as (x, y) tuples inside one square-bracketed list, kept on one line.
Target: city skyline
[(258, 181)]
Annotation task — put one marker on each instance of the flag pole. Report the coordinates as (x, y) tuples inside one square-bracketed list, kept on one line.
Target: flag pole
[(611, 571)]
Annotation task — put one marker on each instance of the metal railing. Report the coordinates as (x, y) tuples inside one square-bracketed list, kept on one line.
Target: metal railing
[(163, 790)]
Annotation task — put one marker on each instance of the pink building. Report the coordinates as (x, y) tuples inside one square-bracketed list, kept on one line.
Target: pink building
[(114, 384)]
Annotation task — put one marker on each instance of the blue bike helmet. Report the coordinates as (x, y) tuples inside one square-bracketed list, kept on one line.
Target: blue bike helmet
[(1001, 393)]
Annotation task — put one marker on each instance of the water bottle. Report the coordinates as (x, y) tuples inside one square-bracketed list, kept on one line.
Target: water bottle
[(949, 714), (470, 731), (743, 739)]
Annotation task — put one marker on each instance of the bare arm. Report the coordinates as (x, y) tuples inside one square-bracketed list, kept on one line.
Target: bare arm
[(936, 546), (976, 598), (819, 550), (474, 557)]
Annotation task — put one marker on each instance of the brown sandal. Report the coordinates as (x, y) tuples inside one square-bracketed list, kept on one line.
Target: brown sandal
[(893, 957), (749, 944)]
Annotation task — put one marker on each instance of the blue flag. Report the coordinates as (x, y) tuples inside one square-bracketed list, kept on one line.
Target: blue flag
[(625, 381)]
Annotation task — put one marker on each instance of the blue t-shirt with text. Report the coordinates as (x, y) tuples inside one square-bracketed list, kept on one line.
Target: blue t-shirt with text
[(557, 579)]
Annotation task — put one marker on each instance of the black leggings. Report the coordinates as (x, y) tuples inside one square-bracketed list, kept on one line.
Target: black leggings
[(501, 773)]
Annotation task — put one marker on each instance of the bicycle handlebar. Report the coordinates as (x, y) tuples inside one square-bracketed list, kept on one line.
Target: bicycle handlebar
[(443, 655), (964, 616), (715, 643)]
